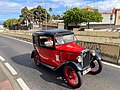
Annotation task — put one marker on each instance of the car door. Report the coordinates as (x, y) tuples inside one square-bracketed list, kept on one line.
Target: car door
[(48, 54)]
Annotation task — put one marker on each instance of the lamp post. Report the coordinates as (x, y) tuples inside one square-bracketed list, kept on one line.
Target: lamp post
[(45, 15)]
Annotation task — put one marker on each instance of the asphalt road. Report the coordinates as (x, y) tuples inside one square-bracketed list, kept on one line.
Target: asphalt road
[(17, 54)]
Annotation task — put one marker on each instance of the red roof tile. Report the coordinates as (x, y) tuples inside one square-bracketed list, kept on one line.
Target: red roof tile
[(88, 8), (116, 9)]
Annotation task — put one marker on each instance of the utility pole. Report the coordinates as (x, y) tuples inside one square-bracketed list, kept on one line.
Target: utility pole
[(94, 4), (46, 17), (66, 8), (45, 14)]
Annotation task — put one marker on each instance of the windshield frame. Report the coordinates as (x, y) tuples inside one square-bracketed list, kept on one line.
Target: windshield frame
[(75, 39)]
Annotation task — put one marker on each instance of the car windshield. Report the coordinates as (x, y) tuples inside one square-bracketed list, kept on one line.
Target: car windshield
[(65, 39)]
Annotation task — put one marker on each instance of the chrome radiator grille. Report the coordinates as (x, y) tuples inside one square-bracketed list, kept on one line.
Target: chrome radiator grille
[(86, 58)]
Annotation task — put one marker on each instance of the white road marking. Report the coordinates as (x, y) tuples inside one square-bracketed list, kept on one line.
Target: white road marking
[(110, 64), (22, 84), (106, 63), (12, 70), (2, 59)]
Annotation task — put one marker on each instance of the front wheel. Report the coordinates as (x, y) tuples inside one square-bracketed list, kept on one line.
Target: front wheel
[(96, 67), (73, 77)]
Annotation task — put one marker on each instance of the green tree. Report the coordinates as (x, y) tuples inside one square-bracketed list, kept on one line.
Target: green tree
[(76, 15), (53, 16), (56, 17), (25, 16), (10, 22), (92, 16), (35, 15), (73, 15)]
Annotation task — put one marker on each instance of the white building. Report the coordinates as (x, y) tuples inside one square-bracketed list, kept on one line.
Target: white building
[(1, 27), (107, 18)]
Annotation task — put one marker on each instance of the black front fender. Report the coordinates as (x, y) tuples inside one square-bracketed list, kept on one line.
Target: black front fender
[(98, 56), (73, 64), (32, 54)]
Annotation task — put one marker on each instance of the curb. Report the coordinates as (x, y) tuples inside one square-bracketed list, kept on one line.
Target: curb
[(10, 78)]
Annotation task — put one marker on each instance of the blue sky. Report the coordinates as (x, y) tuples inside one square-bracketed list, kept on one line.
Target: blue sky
[(11, 8)]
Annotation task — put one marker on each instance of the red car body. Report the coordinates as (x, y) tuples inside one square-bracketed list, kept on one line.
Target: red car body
[(61, 54)]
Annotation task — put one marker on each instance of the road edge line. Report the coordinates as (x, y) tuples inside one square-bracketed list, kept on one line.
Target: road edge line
[(11, 69), (22, 84), (2, 59), (16, 39), (110, 64)]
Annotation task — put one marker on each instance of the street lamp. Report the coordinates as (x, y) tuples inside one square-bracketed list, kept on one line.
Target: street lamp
[(45, 15)]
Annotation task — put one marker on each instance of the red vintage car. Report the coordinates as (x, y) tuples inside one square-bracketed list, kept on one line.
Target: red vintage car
[(57, 49)]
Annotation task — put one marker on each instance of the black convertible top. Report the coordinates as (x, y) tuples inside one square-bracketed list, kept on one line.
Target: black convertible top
[(52, 32)]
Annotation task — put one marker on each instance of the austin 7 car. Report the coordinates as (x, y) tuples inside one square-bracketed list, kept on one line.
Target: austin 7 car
[(57, 49)]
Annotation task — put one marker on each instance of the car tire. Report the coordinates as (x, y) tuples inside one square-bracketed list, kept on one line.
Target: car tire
[(69, 74), (96, 67), (37, 59)]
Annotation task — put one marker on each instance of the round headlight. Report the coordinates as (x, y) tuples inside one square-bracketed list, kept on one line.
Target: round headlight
[(79, 58), (93, 52)]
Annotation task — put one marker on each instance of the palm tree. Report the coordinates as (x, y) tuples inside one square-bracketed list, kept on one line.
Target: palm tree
[(50, 10), (25, 14)]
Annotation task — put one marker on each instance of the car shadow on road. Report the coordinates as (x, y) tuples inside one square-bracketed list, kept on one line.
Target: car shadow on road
[(47, 74)]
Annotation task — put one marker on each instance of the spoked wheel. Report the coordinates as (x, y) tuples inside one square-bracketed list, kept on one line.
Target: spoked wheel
[(36, 59), (73, 77), (96, 67)]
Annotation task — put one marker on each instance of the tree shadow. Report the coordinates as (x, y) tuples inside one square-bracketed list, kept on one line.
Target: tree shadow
[(47, 74)]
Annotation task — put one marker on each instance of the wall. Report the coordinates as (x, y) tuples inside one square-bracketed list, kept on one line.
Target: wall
[(117, 17), (106, 43), (106, 19)]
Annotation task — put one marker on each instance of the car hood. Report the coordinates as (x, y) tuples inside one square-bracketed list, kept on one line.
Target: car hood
[(71, 47)]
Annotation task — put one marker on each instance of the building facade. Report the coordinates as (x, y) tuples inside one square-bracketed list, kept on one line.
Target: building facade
[(112, 17), (117, 17)]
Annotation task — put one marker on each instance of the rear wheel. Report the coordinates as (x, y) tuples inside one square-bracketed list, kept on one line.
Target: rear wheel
[(73, 77), (36, 59), (96, 67)]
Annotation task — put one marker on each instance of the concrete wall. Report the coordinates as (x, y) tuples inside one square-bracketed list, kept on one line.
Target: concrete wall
[(108, 43), (110, 53), (98, 34)]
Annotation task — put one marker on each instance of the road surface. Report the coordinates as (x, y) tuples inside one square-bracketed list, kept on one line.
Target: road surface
[(17, 54)]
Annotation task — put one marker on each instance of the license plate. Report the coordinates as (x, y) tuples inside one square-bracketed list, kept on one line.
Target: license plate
[(86, 71)]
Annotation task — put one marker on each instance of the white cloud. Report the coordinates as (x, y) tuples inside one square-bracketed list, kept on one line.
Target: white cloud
[(101, 5), (14, 7), (106, 5), (72, 3), (9, 4), (9, 7)]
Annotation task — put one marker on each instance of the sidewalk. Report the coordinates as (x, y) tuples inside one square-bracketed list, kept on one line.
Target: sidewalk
[(4, 82)]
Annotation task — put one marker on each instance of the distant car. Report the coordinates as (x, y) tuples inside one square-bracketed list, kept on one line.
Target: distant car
[(57, 49)]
